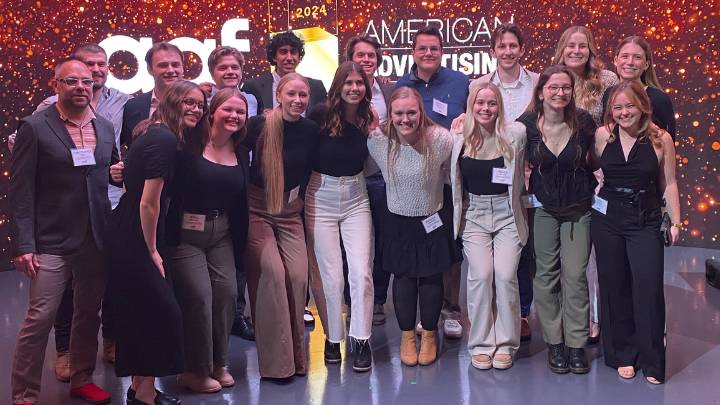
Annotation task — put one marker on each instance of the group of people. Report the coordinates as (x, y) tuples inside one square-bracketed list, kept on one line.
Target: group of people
[(281, 188)]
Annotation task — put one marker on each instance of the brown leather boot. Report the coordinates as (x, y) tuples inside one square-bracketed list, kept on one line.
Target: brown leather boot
[(428, 348), (408, 348), (62, 367)]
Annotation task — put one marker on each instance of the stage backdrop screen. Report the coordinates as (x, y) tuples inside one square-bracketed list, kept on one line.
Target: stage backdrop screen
[(684, 36)]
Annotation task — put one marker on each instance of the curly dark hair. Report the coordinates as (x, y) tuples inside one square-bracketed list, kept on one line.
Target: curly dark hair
[(282, 39)]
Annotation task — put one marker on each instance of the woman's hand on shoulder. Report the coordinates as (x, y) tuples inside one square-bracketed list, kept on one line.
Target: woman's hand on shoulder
[(457, 123)]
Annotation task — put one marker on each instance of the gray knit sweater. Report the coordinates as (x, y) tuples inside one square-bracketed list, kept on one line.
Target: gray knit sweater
[(408, 192)]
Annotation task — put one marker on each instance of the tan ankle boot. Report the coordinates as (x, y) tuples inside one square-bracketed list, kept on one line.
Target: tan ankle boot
[(62, 367), (198, 383), (408, 348), (428, 348)]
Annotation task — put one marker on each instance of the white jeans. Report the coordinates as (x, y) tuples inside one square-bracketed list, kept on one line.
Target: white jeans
[(338, 207), (492, 247)]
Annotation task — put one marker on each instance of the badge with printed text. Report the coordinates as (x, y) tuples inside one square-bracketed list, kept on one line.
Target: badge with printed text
[(530, 201), (83, 157), (193, 222), (501, 175), (432, 222), (293, 194), (440, 107), (600, 204)]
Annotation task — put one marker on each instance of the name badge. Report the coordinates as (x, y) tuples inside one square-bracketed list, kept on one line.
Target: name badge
[(83, 157), (440, 107), (600, 205), (432, 222), (501, 176), (293, 194), (530, 201), (193, 222)]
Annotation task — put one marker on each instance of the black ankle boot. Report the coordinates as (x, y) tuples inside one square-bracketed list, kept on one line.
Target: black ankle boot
[(578, 361), (332, 352), (557, 360), (363, 356)]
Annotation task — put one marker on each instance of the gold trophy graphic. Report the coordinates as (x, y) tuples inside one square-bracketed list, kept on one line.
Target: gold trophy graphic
[(315, 22)]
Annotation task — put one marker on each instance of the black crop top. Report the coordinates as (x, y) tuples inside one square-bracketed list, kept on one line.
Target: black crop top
[(342, 155), (477, 176)]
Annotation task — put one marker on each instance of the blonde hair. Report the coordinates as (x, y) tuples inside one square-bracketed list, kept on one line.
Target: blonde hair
[(587, 84), (474, 143), (638, 96), (270, 145), (426, 129)]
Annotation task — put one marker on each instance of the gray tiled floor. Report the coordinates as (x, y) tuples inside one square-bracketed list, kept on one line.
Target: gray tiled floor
[(693, 363)]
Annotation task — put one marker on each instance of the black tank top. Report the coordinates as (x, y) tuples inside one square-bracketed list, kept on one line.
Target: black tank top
[(477, 176), (637, 177)]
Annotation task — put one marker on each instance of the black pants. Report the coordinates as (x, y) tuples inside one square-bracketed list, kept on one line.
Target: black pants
[(241, 279), (630, 274), (63, 321), (407, 290)]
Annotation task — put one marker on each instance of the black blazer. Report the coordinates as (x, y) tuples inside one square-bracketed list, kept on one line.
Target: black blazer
[(136, 110), (261, 88), (52, 202), (238, 216)]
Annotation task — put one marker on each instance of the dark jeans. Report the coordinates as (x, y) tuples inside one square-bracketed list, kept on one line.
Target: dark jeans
[(63, 321), (407, 291), (525, 273), (241, 278)]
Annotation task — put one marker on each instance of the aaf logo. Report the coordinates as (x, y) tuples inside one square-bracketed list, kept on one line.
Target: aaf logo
[(138, 48)]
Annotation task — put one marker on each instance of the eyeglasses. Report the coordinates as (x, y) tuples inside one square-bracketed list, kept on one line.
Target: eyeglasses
[(74, 81), (425, 49), (191, 102), (556, 89)]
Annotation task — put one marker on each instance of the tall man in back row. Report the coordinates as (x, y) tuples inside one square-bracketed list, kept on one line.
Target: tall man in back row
[(444, 92)]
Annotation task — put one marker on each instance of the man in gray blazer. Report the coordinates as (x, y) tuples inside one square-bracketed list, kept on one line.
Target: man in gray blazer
[(284, 51), (58, 207)]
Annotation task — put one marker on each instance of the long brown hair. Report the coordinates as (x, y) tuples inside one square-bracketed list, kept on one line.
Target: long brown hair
[(169, 111), (336, 112), (638, 96), (474, 143), (648, 76), (198, 146), (426, 129), (270, 146), (569, 112), (588, 84)]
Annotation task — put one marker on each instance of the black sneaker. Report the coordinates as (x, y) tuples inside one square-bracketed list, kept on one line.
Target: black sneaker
[(363, 356), (243, 328), (161, 398), (578, 361), (557, 360), (332, 352)]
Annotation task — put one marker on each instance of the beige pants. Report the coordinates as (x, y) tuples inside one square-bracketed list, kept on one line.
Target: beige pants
[(492, 247), (276, 262), (86, 269)]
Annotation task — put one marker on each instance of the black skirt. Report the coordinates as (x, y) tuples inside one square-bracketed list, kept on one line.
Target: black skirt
[(409, 251)]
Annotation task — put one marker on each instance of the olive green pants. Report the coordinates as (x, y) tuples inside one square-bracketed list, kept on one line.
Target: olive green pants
[(562, 248)]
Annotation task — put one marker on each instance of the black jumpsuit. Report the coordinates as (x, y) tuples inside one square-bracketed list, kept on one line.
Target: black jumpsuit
[(630, 259)]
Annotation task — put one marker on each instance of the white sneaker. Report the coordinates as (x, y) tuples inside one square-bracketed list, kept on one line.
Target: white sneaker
[(452, 329)]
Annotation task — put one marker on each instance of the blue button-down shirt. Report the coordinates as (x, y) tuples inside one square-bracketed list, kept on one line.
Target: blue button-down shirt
[(446, 86)]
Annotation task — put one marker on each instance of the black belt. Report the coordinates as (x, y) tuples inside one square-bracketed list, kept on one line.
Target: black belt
[(209, 214), (646, 200)]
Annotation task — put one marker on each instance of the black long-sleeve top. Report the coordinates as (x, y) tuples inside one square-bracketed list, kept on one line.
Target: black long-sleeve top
[(299, 139), (342, 155)]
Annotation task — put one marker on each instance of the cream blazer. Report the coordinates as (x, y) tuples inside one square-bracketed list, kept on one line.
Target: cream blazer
[(516, 138)]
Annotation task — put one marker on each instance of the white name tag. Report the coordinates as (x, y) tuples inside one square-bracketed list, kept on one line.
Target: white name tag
[(440, 107), (432, 222), (193, 222), (83, 157), (501, 176), (600, 205), (293, 194), (530, 201)]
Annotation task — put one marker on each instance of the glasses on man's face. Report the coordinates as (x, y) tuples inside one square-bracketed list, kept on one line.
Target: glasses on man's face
[(422, 50), (556, 89), (191, 102), (74, 81)]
